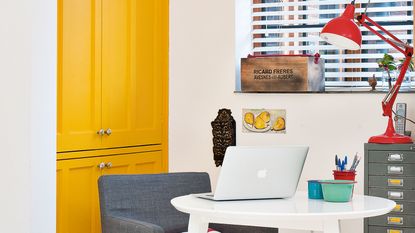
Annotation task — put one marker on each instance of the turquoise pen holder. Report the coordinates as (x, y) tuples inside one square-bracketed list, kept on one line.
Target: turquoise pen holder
[(314, 190)]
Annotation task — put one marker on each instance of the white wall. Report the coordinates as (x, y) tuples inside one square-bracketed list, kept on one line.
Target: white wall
[(202, 80), (28, 112)]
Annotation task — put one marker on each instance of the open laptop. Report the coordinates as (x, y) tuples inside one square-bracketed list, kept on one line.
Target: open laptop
[(259, 172)]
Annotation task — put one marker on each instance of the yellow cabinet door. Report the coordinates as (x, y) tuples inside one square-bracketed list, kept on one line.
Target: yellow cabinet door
[(134, 71), (79, 75), (77, 196), (112, 73), (77, 187)]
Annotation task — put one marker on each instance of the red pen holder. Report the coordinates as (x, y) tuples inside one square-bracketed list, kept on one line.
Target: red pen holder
[(344, 175)]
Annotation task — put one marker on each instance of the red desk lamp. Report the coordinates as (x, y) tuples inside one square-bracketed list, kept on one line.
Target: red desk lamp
[(343, 32)]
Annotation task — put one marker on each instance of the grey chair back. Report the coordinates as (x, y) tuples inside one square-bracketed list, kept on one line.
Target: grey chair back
[(147, 197)]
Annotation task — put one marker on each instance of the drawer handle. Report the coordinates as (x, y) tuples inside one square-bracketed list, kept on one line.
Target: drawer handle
[(395, 195), (101, 132), (395, 182), (395, 220), (395, 169), (395, 157), (108, 132), (101, 166), (398, 208), (394, 231)]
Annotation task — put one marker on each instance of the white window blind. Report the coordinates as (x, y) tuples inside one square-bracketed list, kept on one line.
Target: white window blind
[(293, 27)]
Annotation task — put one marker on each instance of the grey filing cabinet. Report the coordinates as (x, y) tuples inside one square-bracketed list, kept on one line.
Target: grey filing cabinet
[(390, 173)]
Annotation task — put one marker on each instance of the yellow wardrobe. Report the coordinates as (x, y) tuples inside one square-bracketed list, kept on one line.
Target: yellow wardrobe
[(112, 100)]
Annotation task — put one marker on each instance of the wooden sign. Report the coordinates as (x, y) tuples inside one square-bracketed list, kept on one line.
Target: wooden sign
[(282, 74)]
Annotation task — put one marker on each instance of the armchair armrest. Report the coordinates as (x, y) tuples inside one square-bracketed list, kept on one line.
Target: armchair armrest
[(113, 224)]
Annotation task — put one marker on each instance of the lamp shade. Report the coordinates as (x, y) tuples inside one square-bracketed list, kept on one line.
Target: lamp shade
[(342, 31)]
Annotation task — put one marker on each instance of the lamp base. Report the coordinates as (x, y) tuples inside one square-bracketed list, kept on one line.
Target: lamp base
[(390, 139)]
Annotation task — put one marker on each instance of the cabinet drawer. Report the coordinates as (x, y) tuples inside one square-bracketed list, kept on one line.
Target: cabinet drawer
[(393, 194), (393, 220), (404, 207), (379, 169), (391, 157), (392, 182), (378, 229)]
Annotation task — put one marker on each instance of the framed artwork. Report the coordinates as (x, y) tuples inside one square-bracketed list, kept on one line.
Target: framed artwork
[(264, 121)]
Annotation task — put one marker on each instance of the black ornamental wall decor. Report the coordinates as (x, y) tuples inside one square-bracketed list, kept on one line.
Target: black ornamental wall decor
[(224, 134)]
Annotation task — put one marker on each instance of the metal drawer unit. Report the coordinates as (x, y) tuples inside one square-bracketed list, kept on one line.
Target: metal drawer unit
[(390, 173)]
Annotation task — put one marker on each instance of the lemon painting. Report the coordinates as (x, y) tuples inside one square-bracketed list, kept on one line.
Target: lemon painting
[(263, 121)]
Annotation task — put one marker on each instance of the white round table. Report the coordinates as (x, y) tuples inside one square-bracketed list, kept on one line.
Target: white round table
[(297, 212)]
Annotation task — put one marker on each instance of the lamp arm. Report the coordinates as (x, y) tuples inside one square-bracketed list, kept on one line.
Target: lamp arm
[(389, 100), (394, 41), (367, 5), (404, 48), (398, 43)]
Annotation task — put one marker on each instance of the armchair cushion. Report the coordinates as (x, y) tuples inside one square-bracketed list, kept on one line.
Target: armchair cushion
[(128, 225)]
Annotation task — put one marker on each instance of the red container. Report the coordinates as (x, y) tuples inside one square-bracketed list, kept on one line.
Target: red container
[(344, 175)]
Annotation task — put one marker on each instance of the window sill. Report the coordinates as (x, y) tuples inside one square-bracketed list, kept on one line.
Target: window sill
[(335, 90)]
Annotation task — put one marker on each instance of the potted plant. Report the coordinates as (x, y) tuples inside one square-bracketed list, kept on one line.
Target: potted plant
[(388, 65)]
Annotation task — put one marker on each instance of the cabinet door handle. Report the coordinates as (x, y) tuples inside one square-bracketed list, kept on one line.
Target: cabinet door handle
[(395, 195), (395, 169), (394, 231), (101, 132), (395, 157), (395, 220), (398, 208), (101, 166), (395, 182), (108, 165), (108, 132)]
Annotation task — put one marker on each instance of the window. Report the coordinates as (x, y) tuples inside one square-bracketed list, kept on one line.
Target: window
[(293, 27)]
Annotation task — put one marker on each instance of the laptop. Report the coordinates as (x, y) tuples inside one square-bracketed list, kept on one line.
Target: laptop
[(259, 172)]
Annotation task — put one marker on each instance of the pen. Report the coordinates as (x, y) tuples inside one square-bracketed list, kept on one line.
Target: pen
[(357, 163), (336, 162), (340, 164), (354, 166), (354, 161), (345, 160)]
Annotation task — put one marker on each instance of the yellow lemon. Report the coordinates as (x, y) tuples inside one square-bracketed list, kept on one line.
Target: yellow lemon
[(279, 124), (260, 123), (249, 118), (265, 116)]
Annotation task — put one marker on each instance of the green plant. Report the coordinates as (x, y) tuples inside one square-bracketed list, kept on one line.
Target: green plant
[(410, 67), (387, 64)]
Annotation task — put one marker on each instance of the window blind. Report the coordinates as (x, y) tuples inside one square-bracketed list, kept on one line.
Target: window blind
[(293, 27)]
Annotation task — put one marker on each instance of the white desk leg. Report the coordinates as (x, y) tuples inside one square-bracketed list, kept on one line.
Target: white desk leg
[(332, 226), (197, 225)]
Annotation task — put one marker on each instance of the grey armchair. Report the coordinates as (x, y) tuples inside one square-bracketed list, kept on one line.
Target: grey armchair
[(141, 203)]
